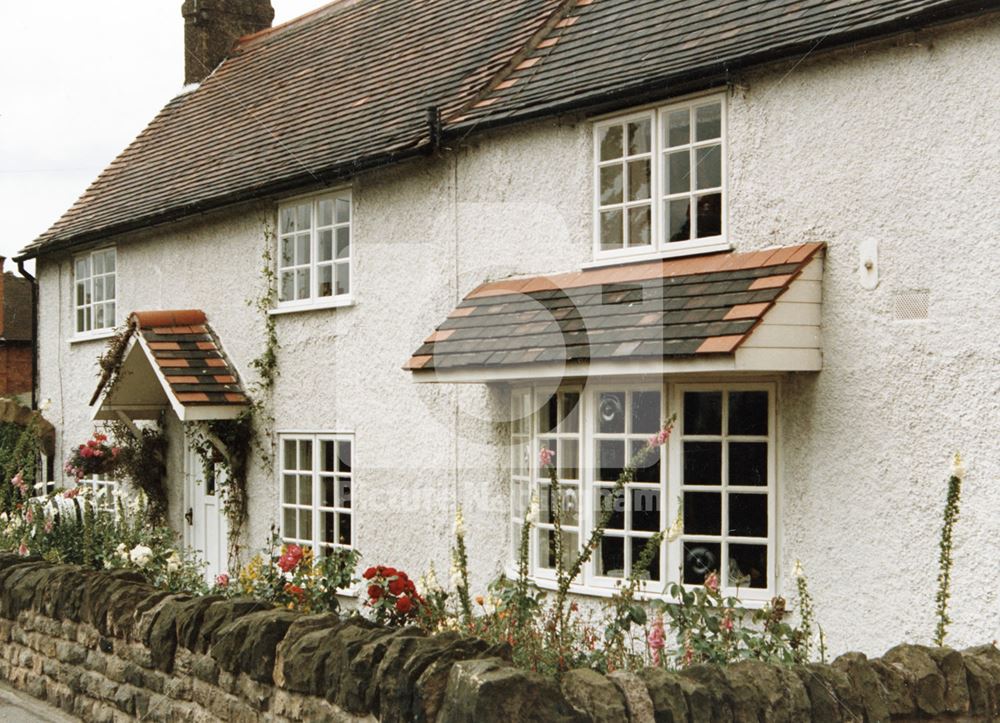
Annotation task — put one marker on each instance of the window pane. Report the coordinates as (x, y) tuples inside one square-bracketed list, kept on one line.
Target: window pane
[(611, 230), (81, 320), (305, 454), (305, 490), (344, 490), (548, 415), (109, 287), (99, 322), (81, 294), (345, 528), (286, 292), (611, 557), (748, 566), (611, 413), (288, 523), (287, 220), (616, 503), (702, 412), (708, 167), (649, 470), (679, 220), (568, 459), (646, 510), (748, 463), (708, 122), (700, 558), (651, 571), (546, 550), (611, 185), (109, 313), (82, 268), (302, 284), (570, 414), (702, 463), (328, 492), (328, 529), (610, 459), (97, 264), (639, 226), (324, 280), (702, 513), (571, 505), (291, 458), (638, 180), (709, 215), (325, 251), (306, 524), (343, 242), (748, 515), (343, 210), (302, 216), (344, 457), (288, 489), (645, 412), (748, 413), (610, 140), (325, 209), (287, 253), (679, 172), (327, 449), (638, 137), (99, 289), (302, 249), (678, 127), (343, 278)]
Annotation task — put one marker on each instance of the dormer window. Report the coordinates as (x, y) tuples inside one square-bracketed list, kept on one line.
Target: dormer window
[(660, 181)]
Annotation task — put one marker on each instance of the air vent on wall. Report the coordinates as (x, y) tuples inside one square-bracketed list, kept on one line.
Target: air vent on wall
[(911, 305)]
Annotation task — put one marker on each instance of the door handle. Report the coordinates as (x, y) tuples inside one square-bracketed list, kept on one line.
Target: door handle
[(189, 516)]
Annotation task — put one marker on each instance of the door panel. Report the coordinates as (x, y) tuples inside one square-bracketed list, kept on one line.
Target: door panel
[(207, 528)]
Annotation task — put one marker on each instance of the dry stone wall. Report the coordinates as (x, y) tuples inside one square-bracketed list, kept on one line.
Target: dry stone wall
[(106, 646)]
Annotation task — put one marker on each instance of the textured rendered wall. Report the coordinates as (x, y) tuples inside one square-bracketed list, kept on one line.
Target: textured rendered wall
[(895, 142)]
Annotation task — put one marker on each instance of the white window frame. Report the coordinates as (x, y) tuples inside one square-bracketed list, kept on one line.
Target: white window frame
[(89, 306), (314, 300), (316, 507), (660, 246), (670, 485)]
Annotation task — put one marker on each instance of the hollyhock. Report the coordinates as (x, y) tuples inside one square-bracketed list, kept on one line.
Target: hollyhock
[(712, 582), (290, 559), (222, 580), (23, 550), (71, 493), (660, 438), (656, 639), (295, 591)]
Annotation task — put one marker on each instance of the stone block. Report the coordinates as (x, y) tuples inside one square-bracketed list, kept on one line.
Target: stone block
[(832, 697), (249, 644), (952, 667), (866, 683), (982, 668), (665, 690), (593, 696)]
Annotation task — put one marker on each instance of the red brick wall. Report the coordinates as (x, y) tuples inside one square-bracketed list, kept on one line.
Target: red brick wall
[(15, 369)]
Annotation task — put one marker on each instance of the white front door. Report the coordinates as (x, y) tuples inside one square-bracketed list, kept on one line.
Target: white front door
[(206, 529)]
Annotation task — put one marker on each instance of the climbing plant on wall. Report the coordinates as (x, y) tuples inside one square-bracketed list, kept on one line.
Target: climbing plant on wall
[(142, 459)]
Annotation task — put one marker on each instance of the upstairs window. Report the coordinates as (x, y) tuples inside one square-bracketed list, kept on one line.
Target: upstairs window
[(94, 291), (660, 181), (314, 251)]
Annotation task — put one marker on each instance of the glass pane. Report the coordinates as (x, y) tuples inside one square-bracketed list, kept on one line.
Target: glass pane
[(616, 504), (344, 457), (290, 530), (702, 412), (639, 226), (649, 469), (702, 513), (344, 490), (109, 313), (109, 287), (290, 457), (343, 279), (700, 558), (81, 293), (568, 459), (571, 505), (302, 284), (646, 510), (288, 489), (306, 524), (343, 242), (328, 529), (98, 285), (679, 220), (305, 490), (709, 221), (638, 137), (306, 454), (302, 216), (324, 280), (679, 172), (708, 122), (519, 499), (748, 413), (702, 463), (548, 415), (748, 515), (98, 264), (328, 492), (611, 557), (81, 320), (286, 291), (748, 463), (287, 253), (652, 570), (110, 260), (345, 528), (748, 566), (610, 140), (570, 415), (343, 210), (325, 208), (326, 455), (645, 412), (82, 268), (678, 127), (325, 251), (546, 550), (611, 230), (708, 167), (287, 220), (611, 413), (610, 459), (302, 249), (638, 180), (611, 185), (99, 322)]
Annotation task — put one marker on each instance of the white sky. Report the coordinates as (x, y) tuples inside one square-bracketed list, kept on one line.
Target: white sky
[(78, 81)]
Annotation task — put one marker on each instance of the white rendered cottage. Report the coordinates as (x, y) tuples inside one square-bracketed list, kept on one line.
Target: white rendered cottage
[(494, 227)]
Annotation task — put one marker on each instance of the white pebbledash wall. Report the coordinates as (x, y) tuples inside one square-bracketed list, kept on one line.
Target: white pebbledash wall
[(896, 143)]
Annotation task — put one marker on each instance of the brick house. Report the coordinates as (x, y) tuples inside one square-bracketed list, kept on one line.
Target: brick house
[(494, 228), (15, 335)]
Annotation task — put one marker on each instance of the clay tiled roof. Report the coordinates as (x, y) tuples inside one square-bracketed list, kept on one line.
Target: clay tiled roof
[(693, 306), (190, 357), (348, 87)]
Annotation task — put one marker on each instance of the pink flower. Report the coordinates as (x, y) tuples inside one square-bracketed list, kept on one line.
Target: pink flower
[(48, 526), (712, 582), (70, 494), (656, 639), (222, 580), (727, 621), (115, 451), (23, 550), (661, 437), (29, 516), (545, 456), (19, 483)]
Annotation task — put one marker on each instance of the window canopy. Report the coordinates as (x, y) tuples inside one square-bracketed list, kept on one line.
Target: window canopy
[(728, 312), (171, 359)]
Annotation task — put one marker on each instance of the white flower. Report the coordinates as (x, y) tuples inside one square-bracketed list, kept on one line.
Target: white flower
[(456, 579), (140, 555), (3, 517), (958, 467), (533, 510), (677, 528), (798, 572), (459, 522), (173, 561)]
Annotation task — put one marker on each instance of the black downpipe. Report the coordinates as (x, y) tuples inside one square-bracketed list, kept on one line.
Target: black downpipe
[(34, 331)]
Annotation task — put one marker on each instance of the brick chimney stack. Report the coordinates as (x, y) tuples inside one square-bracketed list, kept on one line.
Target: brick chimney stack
[(211, 27)]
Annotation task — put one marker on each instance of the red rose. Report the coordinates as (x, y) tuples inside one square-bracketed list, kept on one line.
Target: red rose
[(369, 573), (397, 586), (291, 558), (388, 571), (404, 605), (410, 587), (374, 592), (295, 591)]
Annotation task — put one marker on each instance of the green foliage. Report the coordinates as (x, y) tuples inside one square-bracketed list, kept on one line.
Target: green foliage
[(10, 461), (142, 460), (951, 509)]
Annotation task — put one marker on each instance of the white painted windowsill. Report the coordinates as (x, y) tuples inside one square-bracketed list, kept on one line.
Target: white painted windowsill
[(335, 302), (635, 258), (92, 336)]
